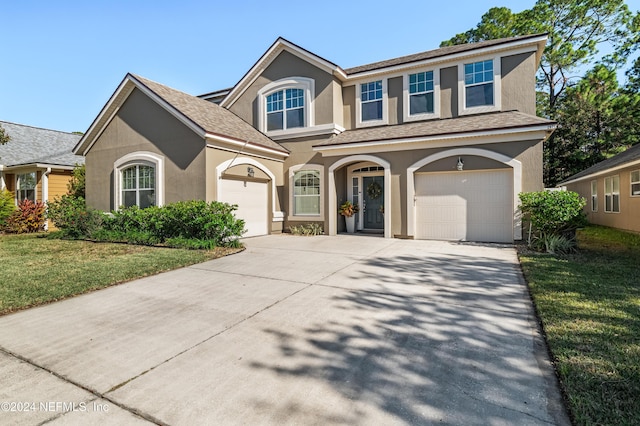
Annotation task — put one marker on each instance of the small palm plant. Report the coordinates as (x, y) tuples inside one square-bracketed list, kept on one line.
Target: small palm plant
[(348, 209)]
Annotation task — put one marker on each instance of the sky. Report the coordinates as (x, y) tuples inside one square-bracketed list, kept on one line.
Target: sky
[(61, 60)]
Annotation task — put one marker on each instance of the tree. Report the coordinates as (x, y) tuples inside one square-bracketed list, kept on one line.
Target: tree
[(76, 185), (4, 136)]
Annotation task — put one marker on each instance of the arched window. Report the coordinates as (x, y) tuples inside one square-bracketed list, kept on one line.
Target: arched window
[(286, 104), (138, 186)]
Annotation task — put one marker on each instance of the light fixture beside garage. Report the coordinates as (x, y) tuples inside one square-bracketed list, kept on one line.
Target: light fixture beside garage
[(460, 165)]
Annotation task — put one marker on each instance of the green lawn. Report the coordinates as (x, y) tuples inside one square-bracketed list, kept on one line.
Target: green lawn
[(36, 270), (589, 304)]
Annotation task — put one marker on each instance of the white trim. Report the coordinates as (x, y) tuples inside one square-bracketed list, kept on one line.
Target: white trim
[(603, 172), (333, 195), (439, 141), (407, 117), (526, 46), (306, 84), (385, 108), (301, 132), (235, 151), (138, 157), (292, 171), (632, 182), (497, 87), (268, 57), (512, 162), (246, 144), (593, 195), (277, 215)]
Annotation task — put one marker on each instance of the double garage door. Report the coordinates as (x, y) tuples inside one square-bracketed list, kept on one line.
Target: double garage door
[(253, 203), (465, 206)]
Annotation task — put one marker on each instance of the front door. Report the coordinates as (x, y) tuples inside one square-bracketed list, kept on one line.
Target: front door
[(373, 202)]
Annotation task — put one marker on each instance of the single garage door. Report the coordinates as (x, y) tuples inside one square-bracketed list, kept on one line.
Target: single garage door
[(465, 206), (252, 201)]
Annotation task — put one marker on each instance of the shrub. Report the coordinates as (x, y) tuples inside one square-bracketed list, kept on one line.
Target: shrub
[(76, 185), (70, 215), (7, 206), (193, 220), (553, 214), (307, 230), (29, 217)]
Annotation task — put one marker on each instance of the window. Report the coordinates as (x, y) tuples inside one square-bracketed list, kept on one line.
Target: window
[(612, 194), (635, 183), (26, 186), (139, 186), (594, 195), (306, 192), (285, 109), (478, 81), (421, 92), (371, 101)]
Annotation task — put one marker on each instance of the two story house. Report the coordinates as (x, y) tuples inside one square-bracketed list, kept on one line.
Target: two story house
[(435, 145)]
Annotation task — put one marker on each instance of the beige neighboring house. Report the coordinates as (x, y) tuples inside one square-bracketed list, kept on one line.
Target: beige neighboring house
[(37, 164), (435, 145), (612, 190)]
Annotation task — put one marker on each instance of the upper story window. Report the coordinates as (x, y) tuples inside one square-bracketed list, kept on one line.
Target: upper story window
[(286, 104), (635, 183), (371, 106), (285, 109), (371, 98), (479, 85), (594, 195), (612, 194), (421, 94), (478, 81), (26, 186), (139, 186)]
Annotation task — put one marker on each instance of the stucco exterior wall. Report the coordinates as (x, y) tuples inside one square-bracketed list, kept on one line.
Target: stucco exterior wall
[(142, 125), (449, 92), (628, 218), (519, 83), (289, 65)]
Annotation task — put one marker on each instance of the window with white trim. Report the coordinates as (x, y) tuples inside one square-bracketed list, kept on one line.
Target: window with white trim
[(612, 194), (421, 93), (371, 101), (306, 193), (138, 186), (26, 186), (478, 82), (635, 183), (594, 195), (286, 106), (285, 109)]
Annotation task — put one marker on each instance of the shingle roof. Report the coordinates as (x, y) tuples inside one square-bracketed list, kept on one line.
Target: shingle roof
[(436, 53), (29, 145), (631, 154), (210, 117), (439, 127)]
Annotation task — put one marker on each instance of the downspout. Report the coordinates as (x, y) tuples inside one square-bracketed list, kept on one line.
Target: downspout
[(45, 192)]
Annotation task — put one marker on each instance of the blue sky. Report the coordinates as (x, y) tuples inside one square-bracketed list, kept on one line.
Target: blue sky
[(62, 60)]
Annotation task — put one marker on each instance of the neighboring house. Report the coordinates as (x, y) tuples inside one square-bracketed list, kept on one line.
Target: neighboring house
[(37, 164), (435, 145), (612, 190)]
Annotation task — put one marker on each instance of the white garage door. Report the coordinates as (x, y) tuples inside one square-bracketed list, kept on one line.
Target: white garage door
[(252, 201), (465, 206)]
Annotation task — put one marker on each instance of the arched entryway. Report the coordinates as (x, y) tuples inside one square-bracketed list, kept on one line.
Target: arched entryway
[(363, 171)]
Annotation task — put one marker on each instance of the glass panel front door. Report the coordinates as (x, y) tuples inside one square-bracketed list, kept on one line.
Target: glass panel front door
[(373, 197)]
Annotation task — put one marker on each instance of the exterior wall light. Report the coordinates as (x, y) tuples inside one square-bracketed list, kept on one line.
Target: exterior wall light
[(460, 165), (250, 172)]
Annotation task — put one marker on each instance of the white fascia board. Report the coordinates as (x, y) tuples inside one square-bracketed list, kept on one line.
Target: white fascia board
[(244, 144), (301, 132), (602, 172), (439, 141), (268, 57), (515, 48)]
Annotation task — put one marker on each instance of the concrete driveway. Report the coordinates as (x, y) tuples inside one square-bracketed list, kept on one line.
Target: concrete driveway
[(350, 330)]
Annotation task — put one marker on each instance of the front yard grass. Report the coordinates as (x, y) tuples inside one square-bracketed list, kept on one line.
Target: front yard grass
[(36, 270), (589, 305)]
